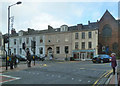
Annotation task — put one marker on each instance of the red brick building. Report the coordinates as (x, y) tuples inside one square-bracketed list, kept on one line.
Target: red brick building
[(109, 34)]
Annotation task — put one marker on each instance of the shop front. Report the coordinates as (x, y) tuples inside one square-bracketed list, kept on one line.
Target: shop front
[(83, 54)]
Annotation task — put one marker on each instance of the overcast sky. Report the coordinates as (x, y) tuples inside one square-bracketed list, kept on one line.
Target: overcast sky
[(38, 14)]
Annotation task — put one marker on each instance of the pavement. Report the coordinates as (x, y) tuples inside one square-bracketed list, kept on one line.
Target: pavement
[(114, 79), (20, 66), (23, 65)]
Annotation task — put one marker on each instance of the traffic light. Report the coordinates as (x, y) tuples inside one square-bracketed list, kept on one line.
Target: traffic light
[(6, 39), (33, 44), (23, 46)]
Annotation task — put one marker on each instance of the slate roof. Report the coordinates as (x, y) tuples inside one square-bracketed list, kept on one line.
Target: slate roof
[(78, 27)]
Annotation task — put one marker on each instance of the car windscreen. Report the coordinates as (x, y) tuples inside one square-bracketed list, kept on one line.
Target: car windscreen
[(104, 56)]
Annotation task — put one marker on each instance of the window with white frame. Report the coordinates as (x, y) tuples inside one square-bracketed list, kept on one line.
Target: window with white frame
[(27, 40), (14, 50), (89, 34), (57, 50), (89, 44), (76, 45), (20, 40), (41, 50), (83, 35), (76, 36), (83, 45), (14, 41)]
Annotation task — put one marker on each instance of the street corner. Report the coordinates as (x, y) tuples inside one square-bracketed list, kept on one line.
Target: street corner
[(7, 78)]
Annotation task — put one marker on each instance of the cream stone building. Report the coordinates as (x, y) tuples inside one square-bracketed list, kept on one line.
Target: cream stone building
[(80, 41), (59, 42), (84, 44)]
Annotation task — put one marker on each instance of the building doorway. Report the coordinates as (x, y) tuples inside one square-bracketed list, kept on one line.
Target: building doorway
[(83, 56), (50, 53)]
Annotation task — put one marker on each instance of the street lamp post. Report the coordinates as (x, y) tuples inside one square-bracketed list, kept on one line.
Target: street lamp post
[(9, 28)]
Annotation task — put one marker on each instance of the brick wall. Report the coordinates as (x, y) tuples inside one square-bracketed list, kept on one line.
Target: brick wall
[(107, 19)]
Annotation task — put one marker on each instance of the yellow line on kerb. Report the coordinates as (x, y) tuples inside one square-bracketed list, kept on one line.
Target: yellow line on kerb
[(100, 78), (109, 73), (95, 82)]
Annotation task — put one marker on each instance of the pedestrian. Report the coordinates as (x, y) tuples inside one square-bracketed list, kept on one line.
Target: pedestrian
[(15, 61), (50, 57), (29, 58), (11, 61), (113, 62)]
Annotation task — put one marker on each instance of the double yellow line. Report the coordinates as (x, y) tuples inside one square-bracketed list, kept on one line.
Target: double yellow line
[(104, 75), (109, 73)]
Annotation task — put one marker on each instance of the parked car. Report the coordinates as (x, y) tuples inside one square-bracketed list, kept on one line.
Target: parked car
[(42, 57), (105, 58), (96, 59), (101, 58), (21, 57)]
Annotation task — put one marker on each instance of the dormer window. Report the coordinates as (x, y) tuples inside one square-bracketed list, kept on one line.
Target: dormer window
[(20, 33), (64, 28)]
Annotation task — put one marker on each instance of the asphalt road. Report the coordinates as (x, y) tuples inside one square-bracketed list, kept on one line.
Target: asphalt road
[(76, 72)]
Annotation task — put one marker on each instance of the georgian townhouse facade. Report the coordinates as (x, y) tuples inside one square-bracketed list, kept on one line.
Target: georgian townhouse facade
[(17, 40), (59, 43), (80, 42), (85, 44)]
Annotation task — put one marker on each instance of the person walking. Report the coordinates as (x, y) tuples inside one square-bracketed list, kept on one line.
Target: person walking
[(11, 61), (28, 58), (15, 61), (113, 62)]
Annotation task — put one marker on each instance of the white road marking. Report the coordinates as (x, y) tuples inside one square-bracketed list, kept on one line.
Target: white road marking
[(52, 75), (59, 76), (47, 75), (82, 68), (72, 78), (12, 78), (80, 80), (88, 81)]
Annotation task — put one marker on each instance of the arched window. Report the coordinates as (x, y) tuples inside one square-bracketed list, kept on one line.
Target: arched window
[(106, 31)]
